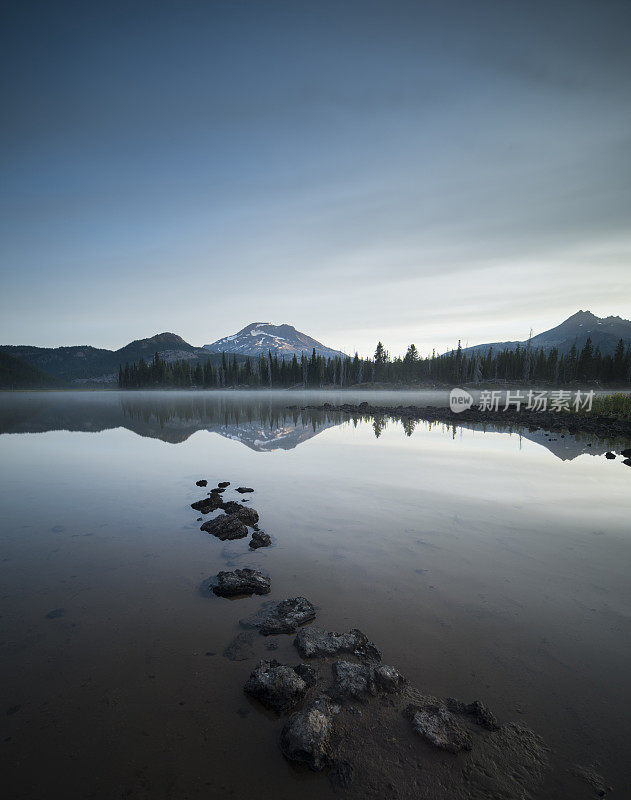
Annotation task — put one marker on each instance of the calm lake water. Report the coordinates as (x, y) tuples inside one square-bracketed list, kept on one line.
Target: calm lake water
[(484, 564)]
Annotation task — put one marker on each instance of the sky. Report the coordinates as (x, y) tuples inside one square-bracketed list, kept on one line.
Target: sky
[(405, 171)]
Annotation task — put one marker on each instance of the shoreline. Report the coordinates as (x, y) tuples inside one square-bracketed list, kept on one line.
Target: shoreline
[(595, 424)]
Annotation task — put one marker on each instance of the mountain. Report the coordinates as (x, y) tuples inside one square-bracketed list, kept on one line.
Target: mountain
[(84, 364), (283, 340), (18, 374), (605, 332)]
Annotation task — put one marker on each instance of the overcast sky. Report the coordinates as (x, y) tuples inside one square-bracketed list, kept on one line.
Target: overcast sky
[(405, 171)]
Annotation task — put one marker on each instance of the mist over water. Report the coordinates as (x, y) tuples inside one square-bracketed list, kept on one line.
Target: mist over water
[(485, 564)]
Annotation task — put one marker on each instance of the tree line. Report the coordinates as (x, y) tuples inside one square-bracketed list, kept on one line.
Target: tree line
[(524, 363)]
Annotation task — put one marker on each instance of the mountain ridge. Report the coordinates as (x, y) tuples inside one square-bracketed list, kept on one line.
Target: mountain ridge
[(257, 338), (605, 333)]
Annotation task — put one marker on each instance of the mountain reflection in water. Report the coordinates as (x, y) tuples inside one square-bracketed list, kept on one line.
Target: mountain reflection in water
[(263, 421)]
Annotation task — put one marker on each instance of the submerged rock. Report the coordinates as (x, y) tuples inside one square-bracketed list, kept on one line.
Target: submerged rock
[(260, 539), (201, 483), (313, 642), (279, 686), (283, 617), (306, 736), (481, 714), (240, 648), (244, 489), (438, 725), (226, 526), (241, 581), (352, 680), (207, 505)]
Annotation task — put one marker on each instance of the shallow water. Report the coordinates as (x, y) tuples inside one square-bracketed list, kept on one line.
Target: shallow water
[(484, 564)]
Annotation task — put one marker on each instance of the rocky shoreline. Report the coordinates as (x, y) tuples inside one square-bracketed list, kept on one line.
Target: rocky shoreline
[(594, 424), (346, 714)]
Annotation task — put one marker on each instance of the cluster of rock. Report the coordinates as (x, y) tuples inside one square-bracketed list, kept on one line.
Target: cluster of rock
[(349, 714), (234, 523), (363, 746)]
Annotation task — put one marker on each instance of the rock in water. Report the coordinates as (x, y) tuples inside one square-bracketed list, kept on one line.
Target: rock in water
[(283, 617), (223, 484), (260, 539), (208, 504), (352, 680), (244, 489), (478, 710), (626, 453), (313, 642), (201, 483), (240, 648), (389, 679), (241, 581), (246, 514), (609, 455), (437, 724), (227, 526), (279, 686), (306, 736)]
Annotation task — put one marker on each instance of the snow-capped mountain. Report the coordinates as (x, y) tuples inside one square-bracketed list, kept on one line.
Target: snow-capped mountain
[(282, 340)]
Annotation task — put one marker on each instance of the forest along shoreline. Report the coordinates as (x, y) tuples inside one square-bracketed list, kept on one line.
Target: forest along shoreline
[(605, 427)]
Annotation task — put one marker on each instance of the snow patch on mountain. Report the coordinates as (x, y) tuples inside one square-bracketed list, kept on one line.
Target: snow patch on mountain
[(282, 340)]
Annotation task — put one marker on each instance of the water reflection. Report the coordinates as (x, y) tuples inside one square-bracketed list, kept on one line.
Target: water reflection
[(262, 421)]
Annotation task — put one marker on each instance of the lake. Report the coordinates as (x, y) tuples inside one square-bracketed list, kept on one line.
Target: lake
[(484, 564)]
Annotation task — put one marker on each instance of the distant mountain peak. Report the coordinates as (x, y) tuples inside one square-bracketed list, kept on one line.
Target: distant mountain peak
[(260, 337), (605, 333)]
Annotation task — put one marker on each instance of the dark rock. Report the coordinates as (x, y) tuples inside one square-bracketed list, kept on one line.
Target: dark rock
[(306, 736), (246, 514), (241, 581), (201, 483), (609, 454), (260, 539), (437, 724), (223, 484), (313, 642), (207, 505), (389, 679), (627, 462), (231, 506), (226, 526), (217, 490), (279, 686), (482, 715), (352, 680), (283, 617), (244, 489), (626, 453), (240, 648)]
